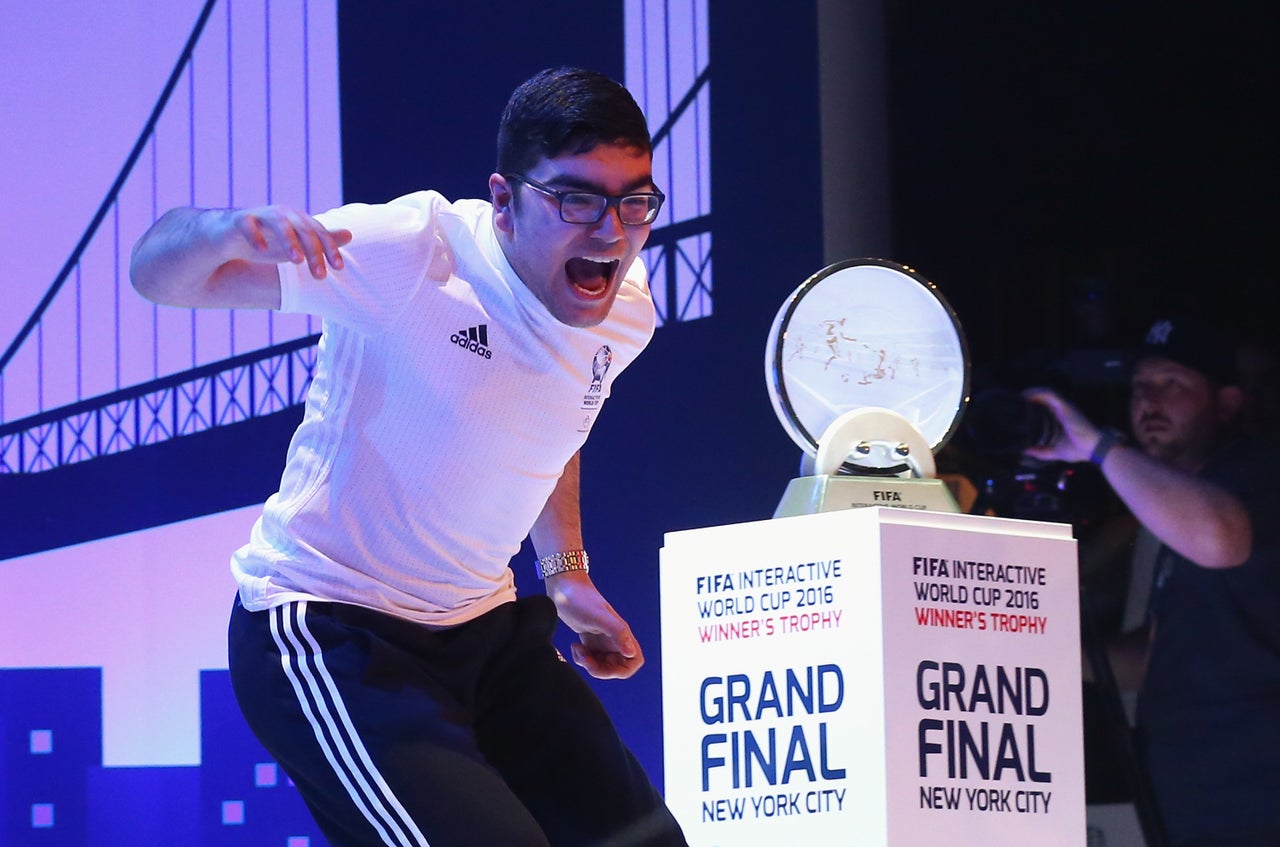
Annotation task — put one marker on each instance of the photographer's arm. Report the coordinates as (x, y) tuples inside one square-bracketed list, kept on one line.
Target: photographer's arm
[(1196, 518)]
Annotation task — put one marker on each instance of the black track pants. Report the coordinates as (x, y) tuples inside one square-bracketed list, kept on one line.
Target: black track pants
[(472, 736)]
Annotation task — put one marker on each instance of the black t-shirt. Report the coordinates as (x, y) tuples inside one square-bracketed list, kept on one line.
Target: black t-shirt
[(1209, 712)]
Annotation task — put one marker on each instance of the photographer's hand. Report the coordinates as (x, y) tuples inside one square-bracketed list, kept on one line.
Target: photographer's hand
[(1078, 436)]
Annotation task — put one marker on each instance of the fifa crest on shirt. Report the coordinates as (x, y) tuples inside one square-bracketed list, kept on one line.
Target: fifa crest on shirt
[(595, 391), (600, 366)]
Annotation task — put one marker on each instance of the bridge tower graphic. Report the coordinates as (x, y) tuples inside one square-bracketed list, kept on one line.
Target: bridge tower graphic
[(96, 371), (125, 426)]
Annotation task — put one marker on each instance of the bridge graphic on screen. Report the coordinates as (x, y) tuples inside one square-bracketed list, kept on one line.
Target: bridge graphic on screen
[(668, 71), (249, 114), (95, 370)]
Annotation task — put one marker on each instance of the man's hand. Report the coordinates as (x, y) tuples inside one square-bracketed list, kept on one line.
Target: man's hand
[(607, 649), (280, 234), (1078, 438)]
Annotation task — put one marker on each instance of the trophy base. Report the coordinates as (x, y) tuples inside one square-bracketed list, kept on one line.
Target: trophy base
[(808, 495)]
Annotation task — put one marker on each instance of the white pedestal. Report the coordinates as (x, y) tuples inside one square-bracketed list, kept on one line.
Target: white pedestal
[(873, 677)]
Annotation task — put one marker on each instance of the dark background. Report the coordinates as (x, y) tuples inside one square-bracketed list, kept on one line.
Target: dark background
[(1065, 169)]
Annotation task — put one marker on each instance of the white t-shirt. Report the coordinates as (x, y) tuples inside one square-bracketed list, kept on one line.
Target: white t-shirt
[(446, 402)]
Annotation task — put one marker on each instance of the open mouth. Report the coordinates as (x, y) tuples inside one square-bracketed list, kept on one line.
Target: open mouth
[(591, 277)]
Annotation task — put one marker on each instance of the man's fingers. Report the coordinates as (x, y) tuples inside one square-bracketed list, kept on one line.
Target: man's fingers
[(336, 238), (321, 245), (251, 227), (270, 235), (603, 661), (605, 665), (294, 245), (285, 235), (313, 246)]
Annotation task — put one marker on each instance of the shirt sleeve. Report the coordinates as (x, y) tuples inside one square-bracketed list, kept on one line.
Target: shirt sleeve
[(1249, 469), (391, 248)]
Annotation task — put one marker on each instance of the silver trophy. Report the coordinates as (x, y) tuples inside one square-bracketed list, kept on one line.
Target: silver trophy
[(868, 371)]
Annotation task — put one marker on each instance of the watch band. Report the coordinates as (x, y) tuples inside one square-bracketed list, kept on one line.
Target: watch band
[(569, 560), (1110, 438)]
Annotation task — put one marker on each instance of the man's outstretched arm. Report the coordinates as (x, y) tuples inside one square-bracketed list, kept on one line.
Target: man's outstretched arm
[(226, 258)]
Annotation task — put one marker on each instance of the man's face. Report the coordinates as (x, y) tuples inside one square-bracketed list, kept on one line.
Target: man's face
[(1174, 412), (575, 270)]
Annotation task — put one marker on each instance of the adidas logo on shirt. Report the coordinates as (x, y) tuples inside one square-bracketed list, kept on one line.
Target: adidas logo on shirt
[(475, 339)]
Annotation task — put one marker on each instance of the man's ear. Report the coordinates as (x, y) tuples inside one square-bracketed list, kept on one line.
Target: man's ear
[(502, 198), (1230, 401)]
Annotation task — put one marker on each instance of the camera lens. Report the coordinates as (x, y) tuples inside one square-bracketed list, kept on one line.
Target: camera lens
[(1002, 422)]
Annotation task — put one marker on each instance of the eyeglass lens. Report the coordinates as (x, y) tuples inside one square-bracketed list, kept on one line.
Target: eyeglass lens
[(633, 209)]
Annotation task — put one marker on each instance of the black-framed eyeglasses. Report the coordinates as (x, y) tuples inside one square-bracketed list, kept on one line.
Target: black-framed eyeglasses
[(585, 207)]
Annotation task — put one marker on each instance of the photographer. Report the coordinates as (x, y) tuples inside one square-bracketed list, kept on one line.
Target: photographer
[(1208, 716)]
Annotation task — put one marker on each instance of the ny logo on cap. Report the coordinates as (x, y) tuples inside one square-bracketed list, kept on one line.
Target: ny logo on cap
[(1159, 332)]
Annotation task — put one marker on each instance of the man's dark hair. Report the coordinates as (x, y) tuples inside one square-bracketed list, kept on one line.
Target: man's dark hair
[(567, 110)]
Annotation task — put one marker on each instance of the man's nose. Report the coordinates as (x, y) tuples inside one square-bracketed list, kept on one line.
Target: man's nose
[(1147, 402), (610, 227)]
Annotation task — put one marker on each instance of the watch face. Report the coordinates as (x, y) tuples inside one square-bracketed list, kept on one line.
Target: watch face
[(866, 333)]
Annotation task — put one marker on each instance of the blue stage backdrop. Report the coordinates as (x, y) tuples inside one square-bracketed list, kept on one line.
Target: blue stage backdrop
[(137, 443)]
